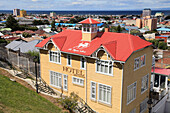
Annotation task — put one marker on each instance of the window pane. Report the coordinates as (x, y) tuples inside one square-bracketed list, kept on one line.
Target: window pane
[(106, 69)]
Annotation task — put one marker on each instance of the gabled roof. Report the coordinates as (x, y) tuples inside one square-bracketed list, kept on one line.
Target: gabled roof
[(89, 21), (119, 45)]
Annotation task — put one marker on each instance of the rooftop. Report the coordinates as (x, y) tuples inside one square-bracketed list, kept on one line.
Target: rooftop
[(119, 45)]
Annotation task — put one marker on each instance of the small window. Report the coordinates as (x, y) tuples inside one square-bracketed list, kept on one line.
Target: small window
[(131, 92), (69, 60), (55, 57), (83, 63), (93, 90), (65, 83), (78, 81), (143, 106), (144, 83), (136, 64), (104, 95), (142, 60)]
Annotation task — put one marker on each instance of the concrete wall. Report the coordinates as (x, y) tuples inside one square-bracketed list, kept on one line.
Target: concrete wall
[(160, 106)]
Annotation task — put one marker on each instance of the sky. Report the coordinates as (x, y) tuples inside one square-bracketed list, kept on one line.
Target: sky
[(84, 4)]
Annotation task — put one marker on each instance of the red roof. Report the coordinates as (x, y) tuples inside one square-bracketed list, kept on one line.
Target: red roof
[(161, 71), (119, 45), (89, 21)]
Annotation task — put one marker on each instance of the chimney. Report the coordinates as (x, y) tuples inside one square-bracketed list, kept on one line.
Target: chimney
[(106, 29)]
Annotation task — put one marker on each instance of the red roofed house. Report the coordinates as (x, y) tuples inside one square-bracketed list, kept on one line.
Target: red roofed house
[(109, 71)]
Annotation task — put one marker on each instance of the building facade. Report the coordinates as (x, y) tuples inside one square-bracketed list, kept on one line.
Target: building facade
[(147, 23), (23, 13), (53, 14), (109, 71), (16, 12), (146, 12)]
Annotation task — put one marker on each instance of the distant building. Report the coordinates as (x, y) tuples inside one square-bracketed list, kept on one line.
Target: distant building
[(147, 23), (23, 13), (16, 12), (146, 12), (159, 14), (53, 14)]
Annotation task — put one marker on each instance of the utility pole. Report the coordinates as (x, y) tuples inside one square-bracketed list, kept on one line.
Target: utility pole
[(35, 59)]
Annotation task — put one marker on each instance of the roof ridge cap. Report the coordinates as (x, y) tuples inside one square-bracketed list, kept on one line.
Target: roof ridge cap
[(90, 20), (131, 43)]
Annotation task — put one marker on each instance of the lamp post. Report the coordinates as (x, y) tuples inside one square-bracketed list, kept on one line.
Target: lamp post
[(150, 102), (35, 60)]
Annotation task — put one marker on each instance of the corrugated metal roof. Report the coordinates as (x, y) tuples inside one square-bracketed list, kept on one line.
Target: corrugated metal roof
[(23, 46)]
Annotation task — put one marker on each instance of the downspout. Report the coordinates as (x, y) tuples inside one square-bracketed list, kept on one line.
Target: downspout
[(86, 80), (121, 88)]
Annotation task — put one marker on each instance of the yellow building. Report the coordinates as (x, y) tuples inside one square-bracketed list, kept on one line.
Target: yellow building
[(109, 71), (147, 22), (23, 13)]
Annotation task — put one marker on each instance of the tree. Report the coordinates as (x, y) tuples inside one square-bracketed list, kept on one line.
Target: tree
[(134, 31), (38, 22), (53, 26), (162, 45), (118, 29), (25, 34), (12, 23), (33, 54)]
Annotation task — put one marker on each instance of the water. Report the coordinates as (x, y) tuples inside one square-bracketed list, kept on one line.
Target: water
[(137, 12)]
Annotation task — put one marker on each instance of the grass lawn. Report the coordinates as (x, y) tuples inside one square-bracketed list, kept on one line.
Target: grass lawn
[(17, 98)]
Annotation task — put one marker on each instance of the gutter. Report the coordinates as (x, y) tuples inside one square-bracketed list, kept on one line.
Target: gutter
[(121, 88)]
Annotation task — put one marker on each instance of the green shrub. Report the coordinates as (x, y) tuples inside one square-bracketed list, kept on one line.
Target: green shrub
[(70, 102), (25, 34), (162, 45)]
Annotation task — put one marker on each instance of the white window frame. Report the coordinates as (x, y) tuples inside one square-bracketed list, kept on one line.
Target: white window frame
[(54, 84), (68, 60), (141, 65), (143, 104), (78, 79), (110, 96), (145, 78), (65, 77), (133, 110), (135, 68), (91, 26), (58, 55), (99, 71), (133, 95), (92, 92), (84, 63)]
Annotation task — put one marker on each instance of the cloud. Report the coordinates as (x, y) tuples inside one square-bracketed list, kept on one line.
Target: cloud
[(84, 4)]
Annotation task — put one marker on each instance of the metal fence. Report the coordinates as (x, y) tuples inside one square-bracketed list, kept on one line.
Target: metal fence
[(22, 61)]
